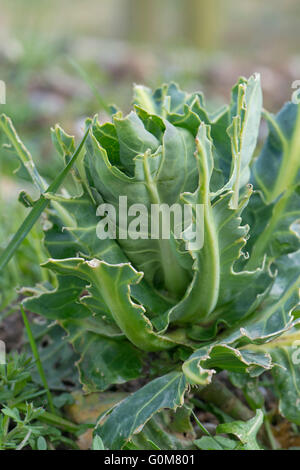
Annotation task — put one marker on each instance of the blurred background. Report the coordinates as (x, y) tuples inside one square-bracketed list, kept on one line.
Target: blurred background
[(63, 60), (203, 44)]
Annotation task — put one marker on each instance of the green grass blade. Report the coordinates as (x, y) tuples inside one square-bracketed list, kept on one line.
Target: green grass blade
[(23, 153), (38, 208)]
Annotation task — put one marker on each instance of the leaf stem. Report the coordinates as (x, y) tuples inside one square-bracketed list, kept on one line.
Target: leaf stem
[(38, 208), (271, 438), (218, 394)]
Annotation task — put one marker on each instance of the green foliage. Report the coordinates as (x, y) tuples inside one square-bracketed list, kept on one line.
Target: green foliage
[(23, 421), (245, 432), (217, 307), (133, 412)]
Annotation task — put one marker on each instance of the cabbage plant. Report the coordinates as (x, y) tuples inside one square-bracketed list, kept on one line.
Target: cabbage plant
[(164, 310)]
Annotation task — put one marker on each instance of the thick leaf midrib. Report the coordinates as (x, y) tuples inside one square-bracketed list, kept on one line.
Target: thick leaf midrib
[(174, 276), (290, 162), (260, 246)]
